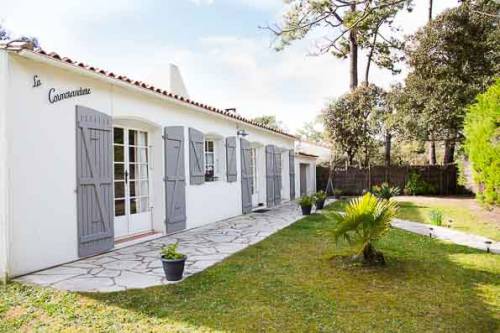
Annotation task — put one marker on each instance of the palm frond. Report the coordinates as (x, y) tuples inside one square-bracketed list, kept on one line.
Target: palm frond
[(366, 219)]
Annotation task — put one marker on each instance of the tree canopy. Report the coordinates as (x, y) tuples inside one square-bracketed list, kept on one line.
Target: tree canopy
[(452, 59), (346, 25), (310, 133), (351, 120), (269, 120)]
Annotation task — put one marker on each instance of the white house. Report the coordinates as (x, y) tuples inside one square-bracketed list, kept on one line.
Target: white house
[(91, 160)]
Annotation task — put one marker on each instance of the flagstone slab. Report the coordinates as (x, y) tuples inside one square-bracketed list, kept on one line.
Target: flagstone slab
[(139, 265)]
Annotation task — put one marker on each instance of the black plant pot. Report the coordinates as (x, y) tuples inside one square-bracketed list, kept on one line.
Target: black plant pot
[(320, 204), (306, 210), (174, 269)]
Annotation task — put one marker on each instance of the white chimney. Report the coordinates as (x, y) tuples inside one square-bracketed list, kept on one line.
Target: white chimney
[(169, 79), (175, 81)]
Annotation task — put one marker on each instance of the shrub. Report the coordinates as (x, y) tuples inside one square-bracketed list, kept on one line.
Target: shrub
[(169, 252), (416, 186), (320, 196), (366, 219), (482, 143), (385, 191), (306, 201), (436, 217)]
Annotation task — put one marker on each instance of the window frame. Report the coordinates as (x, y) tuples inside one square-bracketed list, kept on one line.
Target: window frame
[(213, 177)]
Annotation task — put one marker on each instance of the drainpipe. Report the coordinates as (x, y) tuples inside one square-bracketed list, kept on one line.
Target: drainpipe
[(4, 170)]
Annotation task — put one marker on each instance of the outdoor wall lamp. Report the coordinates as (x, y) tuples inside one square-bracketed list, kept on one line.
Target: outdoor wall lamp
[(241, 132)]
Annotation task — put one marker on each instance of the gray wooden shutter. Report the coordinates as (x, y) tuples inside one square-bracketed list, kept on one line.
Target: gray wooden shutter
[(246, 176), (291, 168), (277, 175), (196, 157), (94, 173), (175, 179), (270, 175), (231, 170)]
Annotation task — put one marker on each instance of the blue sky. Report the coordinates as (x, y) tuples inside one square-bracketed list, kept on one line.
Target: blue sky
[(224, 57)]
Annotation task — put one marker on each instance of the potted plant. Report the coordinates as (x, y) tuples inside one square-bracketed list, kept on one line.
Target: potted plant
[(173, 262), (320, 198), (306, 202)]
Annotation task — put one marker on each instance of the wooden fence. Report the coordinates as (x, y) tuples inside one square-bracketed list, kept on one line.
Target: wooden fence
[(353, 181)]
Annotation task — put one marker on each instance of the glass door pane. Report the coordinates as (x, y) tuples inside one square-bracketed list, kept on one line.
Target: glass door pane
[(137, 164)]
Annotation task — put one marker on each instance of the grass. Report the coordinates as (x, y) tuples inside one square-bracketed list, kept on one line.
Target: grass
[(290, 282), (458, 210), (463, 218)]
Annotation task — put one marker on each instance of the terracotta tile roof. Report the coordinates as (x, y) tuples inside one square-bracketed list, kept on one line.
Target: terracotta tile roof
[(17, 46)]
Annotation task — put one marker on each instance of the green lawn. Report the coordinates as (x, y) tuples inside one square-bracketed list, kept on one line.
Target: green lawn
[(457, 210), (291, 282), (465, 214)]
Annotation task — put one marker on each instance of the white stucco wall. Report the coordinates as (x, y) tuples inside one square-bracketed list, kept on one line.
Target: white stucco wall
[(310, 176), (42, 157), (4, 167)]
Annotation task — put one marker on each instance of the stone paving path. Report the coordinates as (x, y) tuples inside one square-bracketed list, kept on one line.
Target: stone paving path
[(139, 266), (454, 236)]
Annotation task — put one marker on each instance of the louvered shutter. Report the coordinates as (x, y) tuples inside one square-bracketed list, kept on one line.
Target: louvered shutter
[(231, 170), (196, 157), (291, 158), (277, 175), (94, 170), (269, 175), (175, 179), (246, 176)]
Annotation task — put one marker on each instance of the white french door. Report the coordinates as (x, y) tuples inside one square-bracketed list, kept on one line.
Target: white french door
[(131, 182)]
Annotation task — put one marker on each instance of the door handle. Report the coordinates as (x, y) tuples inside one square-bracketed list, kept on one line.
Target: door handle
[(126, 176)]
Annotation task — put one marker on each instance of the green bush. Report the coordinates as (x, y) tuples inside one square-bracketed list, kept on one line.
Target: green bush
[(416, 186), (385, 191), (482, 143)]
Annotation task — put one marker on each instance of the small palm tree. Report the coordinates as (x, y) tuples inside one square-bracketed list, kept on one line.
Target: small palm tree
[(366, 219)]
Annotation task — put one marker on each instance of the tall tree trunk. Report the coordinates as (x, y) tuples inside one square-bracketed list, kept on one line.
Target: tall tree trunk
[(353, 44), (350, 158), (449, 151), (430, 10), (367, 157), (432, 152), (370, 55), (432, 143), (388, 138)]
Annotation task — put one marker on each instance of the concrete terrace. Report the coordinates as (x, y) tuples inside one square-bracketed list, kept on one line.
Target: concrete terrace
[(139, 266)]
